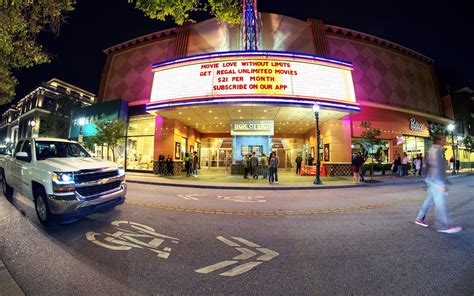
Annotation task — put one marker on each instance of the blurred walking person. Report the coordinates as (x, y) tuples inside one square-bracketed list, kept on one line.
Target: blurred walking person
[(264, 161), (437, 189), (272, 163)]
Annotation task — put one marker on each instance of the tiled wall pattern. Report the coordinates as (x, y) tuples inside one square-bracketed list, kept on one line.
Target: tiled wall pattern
[(385, 77), (130, 77), (277, 32)]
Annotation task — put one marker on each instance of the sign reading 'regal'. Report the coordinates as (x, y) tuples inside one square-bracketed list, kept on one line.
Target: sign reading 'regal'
[(252, 127), (415, 126), (253, 76)]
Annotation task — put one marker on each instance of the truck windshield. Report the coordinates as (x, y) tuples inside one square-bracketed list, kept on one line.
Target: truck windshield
[(51, 149)]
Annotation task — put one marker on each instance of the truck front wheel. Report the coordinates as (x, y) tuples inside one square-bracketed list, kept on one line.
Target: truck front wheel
[(42, 207), (7, 190)]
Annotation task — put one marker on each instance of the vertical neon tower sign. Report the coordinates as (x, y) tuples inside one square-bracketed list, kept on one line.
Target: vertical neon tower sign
[(250, 27)]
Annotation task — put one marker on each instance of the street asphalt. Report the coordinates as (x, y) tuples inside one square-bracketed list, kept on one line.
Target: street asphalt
[(189, 241)]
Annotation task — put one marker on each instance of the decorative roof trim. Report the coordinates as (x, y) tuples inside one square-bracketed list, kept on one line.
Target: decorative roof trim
[(374, 39), (142, 39)]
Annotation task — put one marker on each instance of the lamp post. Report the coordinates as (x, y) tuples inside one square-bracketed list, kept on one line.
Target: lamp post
[(32, 124), (81, 121), (316, 109), (451, 129)]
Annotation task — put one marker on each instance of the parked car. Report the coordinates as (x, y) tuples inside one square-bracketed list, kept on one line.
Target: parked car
[(62, 179)]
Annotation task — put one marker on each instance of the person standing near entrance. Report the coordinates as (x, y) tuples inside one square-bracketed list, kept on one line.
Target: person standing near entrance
[(276, 167), (405, 164), (264, 161), (254, 165), (161, 164), (169, 165), (195, 164), (246, 164), (355, 169), (272, 163), (298, 161), (437, 188), (187, 164)]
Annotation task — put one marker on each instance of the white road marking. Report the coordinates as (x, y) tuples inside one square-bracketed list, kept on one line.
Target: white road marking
[(244, 241), (241, 269), (269, 254), (227, 242), (214, 267), (245, 255), (192, 196), (243, 198), (140, 237)]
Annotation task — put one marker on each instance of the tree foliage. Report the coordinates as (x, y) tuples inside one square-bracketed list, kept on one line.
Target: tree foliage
[(436, 130), (109, 132), (56, 124), (370, 136), (179, 10), (20, 23)]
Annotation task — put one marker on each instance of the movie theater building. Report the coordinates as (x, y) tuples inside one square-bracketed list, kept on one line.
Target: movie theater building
[(194, 89)]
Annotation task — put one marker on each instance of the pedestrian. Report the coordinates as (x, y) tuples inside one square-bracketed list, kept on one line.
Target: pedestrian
[(420, 157), (437, 188), (161, 164), (276, 167), (416, 165), (405, 164), (187, 164), (272, 163), (451, 163), (254, 165), (169, 165), (195, 164), (246, 164), (355, 169), (264, 161), (298, 161), (362, 159), (398, 165)]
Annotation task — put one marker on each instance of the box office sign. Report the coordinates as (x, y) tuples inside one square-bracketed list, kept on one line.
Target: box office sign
[(252, 127)]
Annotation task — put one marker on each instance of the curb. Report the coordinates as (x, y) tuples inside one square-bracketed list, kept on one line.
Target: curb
[(276, 187), (284, 187), (7, 283)]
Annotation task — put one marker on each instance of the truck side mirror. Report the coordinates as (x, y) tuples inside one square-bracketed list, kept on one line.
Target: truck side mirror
[(23, 156)]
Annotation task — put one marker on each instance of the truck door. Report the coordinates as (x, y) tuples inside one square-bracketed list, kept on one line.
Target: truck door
[(25, 171), (13, 175)]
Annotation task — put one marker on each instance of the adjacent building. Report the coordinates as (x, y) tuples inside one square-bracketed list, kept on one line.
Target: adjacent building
[(24, 119)]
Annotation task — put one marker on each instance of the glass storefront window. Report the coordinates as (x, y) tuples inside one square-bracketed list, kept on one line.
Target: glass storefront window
[(414, 146), (140, 143)]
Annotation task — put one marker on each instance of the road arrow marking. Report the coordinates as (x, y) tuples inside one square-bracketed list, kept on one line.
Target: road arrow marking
[(241, 269), (242, 198), (190, 196), (214, 267), (245, 254)]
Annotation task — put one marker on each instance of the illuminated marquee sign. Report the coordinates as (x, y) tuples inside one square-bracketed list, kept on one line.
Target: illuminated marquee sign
[(258, 75), (252, 127)]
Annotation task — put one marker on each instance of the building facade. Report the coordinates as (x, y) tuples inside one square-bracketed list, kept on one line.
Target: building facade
[(26, 117), (459, 106), (193, 89)]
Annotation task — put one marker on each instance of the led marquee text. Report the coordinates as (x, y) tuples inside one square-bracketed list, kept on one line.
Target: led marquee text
[(253, 77)]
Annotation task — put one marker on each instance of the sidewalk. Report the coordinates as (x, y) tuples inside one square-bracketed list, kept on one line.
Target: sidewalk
[(220, 179)]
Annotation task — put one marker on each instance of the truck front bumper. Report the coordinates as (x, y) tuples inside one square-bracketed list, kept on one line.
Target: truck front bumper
[(74, 206)]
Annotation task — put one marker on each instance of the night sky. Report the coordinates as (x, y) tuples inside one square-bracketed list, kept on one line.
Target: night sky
[(442, 32)]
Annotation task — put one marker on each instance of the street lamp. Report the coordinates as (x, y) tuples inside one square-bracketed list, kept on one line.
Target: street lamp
[(81, 121), (32, 124), (451, 129), (316, 109)]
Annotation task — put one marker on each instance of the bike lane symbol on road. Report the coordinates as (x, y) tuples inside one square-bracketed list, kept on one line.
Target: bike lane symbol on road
[(246, 253), (139, 237)]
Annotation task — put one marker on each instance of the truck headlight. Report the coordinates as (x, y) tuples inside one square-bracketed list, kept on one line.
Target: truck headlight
[(63, 182), (121, 171)]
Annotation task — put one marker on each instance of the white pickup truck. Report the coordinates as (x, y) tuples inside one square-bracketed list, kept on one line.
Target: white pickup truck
[(62, 179)]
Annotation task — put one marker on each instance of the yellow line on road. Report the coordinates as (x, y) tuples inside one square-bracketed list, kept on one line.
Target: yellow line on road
[(271, 213)]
